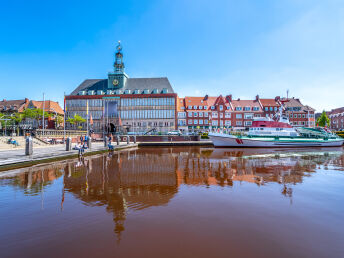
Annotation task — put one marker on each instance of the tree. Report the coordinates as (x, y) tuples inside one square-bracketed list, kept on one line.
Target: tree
[(323, 120), (76, 120), (58, 120)]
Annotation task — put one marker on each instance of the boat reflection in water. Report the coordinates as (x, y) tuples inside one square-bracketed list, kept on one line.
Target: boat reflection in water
[(151, 177)]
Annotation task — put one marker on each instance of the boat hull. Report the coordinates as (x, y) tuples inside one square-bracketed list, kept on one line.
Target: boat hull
[(223, 140)]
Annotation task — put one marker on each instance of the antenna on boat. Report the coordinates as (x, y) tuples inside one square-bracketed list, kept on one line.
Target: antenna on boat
[(287, 94)]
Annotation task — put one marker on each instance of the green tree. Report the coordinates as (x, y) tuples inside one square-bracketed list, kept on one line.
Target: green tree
[(76, 120), (323, 120)]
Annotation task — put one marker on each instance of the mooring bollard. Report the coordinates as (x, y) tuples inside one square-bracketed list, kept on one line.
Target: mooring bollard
[(118, 139), (28, 146), (128, 139), (134, 138), (89, 142), (68, 144), (105, 141)]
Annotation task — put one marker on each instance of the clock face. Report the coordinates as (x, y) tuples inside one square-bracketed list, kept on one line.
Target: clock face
[(115, 82)]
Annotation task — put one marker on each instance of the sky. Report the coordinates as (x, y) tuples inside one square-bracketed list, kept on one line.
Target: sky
[(243, 48)]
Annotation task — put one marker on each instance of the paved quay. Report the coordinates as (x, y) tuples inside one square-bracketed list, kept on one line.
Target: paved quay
[(17, 158)]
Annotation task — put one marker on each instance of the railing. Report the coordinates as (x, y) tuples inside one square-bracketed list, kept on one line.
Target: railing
[(58, 133)]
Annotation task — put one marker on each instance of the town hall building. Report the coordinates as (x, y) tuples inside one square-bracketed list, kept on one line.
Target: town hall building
[(123, 103)]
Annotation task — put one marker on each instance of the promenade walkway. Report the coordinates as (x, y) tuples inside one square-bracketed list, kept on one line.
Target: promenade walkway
[(40, 154)]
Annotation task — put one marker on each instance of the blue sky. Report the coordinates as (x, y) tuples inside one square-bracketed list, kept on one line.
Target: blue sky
[(242, 48)]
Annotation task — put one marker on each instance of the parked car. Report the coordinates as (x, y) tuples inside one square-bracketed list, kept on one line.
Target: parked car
[(175, 132)]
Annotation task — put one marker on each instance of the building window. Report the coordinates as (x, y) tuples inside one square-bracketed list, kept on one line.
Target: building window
[(214, 123), (228, 107), (201, 122), (271, 109), (190, 122), (228, 123), (238, 108), (205, 107), (189, 114), (195, 107), (248, 123), (189, 107), (205, 114), (295, 116), (195, 121), (212, 107), (205, 122), (227, 115), (214, 114), (195, 114), (247, 108), (248, 116), (221, 115), (238, 116), (199, 107), (255, 108), (238, 122), (221, 107), (299, 115), (200, 114), (266, 109)]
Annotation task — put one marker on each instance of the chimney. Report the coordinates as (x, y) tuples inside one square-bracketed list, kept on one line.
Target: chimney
[(277, 98), (205, 97), (26, 100), (229, 97), (238, 99), (257, 97)]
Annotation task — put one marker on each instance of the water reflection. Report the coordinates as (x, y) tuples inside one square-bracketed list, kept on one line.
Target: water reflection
[(136, 180)]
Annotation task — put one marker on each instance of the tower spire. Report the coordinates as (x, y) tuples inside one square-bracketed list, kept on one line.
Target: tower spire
[(119, 65)]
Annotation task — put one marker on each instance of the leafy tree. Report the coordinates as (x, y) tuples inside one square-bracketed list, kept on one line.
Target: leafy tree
[(76, 120), (323, 120), (58, 120)]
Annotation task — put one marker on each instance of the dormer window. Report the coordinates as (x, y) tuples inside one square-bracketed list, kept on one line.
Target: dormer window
[(189, 107), (127, 92), (164, 90), (221, 107), (212, 107), (136, 91), (255, 108), (228, 107), (238, 109), (195, 107), (247, 108)]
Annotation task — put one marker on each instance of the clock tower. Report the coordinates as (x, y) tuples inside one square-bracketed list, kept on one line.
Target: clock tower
[(118, 78)]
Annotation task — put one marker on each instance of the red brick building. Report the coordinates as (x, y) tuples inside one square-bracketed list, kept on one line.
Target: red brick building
[(337, 119)]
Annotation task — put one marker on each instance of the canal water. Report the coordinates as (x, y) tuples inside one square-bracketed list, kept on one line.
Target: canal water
[(177, 202)]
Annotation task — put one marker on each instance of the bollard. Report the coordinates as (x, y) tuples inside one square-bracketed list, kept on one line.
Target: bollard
[(89, 142), (105, 141), (28, 146), (134, 138), (128, 139), (118, 139), (68, 144)]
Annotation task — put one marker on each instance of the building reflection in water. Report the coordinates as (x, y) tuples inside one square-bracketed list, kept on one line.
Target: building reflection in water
[(135, 180)]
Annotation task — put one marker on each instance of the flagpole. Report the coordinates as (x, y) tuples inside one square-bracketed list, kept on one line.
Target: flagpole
[(87, 118), (64, 117), (43, 114)]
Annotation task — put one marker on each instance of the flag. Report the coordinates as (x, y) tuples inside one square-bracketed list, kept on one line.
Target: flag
[(91, 120), (64, 102), (87, 107)]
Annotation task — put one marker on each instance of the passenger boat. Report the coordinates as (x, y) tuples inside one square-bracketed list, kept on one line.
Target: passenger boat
[(266, 132)]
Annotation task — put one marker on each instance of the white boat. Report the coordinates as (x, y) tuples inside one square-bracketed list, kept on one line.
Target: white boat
[(266, 132)]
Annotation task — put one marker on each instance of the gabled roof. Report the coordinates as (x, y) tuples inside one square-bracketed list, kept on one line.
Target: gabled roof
[(180, 104), (245, 103), (91, 84), (49, 106), (14, 105), (132, 84), (269, 103)]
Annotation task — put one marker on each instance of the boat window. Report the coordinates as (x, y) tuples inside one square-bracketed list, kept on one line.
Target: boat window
[(261, 129)]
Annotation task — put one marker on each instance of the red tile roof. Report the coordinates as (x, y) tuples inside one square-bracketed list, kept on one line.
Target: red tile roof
[(49, 106), (269, 103)]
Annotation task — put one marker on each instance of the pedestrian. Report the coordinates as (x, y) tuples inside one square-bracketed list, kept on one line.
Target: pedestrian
[(81, 140)]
